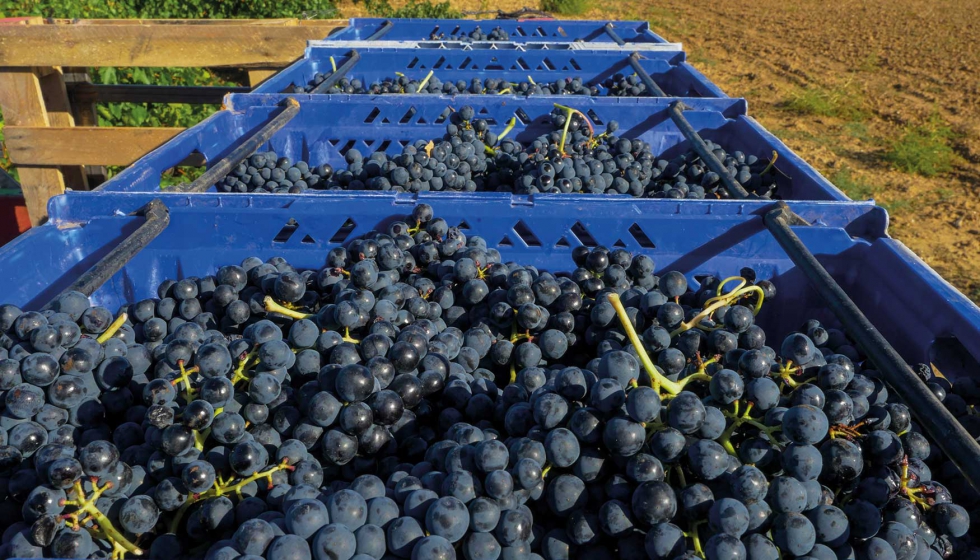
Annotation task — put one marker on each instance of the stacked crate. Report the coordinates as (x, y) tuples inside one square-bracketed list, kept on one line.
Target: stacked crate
[(696, 236), (297, 115)]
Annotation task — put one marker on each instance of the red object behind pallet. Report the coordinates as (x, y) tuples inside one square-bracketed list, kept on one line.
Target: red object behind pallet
[(13, 217)]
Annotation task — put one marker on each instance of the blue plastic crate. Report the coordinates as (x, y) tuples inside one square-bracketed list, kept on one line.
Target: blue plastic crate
[(328, 126), (668, 69), (923, 316), (520, 31), (502, 45)]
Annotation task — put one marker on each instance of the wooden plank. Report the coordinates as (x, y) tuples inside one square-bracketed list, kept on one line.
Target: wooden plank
[(180, 44), (274, 22), (84, 114), (81, 145), (59, 114), (23, 106), (82, 92), (259, 75)]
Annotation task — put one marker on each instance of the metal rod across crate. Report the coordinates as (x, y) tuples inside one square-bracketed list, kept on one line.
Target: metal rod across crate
[(387, 123)]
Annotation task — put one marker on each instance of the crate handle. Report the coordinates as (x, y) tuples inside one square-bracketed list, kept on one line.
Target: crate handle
[(339, 73), (157, 218), (941, 425), (608, 28), (634, 60), (224, 166), (387, 26), (676, 112)]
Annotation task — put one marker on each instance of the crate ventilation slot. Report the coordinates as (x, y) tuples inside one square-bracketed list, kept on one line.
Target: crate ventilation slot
[(583, 235), (546, 65), (526, 235), (372, 115), (414, 62), (307, 239), (619, 243), (951, 357), (384, 146), (562, 32), (490, 120), (347, 147), (574, 64), (286, 232), (191, 167), (443, 116), (520, 65), (463, 225), (641, 237), (408, 115), (505, 242), (466, 63), (563, 242), (520, 31), (542, 32), (522, 116), (594, 117), (343, 232), (439, 63)]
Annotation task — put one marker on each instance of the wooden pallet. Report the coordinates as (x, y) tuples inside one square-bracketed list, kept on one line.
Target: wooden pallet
[(48, 102)]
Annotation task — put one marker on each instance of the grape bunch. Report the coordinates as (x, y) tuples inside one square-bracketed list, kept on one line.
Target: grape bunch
[(496, 34), (419, 397), (623, 87), (572, 158)]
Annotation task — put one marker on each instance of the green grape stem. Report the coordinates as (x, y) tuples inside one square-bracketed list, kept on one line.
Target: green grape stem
[(113, 328), (272, 306), (740, 419), (914, 493), (426, 80), (696, 538), (657, 380), (222, 487), (101, 525), (240, 372), (185, 378), (568, 121)]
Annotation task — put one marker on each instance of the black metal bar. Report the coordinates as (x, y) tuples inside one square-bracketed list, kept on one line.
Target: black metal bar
[(157, 218), (387, 26), (224, 166), (126, 93), (676, 112), (608, 28), (655, 90), (938, 422), (332, 79)]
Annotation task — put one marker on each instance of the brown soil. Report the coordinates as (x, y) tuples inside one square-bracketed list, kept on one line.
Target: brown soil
[(840, 82)]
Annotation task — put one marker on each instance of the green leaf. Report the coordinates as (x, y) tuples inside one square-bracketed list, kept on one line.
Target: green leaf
[(139, 114), (107, 75)]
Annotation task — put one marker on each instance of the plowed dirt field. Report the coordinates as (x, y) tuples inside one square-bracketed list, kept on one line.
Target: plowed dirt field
[(881, 96)]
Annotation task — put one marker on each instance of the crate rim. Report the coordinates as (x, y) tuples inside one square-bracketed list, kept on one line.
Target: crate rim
[(496, 45)]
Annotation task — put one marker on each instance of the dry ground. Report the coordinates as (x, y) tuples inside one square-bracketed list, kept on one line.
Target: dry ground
[(881, 96)]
